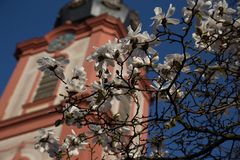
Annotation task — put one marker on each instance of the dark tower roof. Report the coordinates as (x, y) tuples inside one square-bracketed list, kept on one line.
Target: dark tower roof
[(76, 11)]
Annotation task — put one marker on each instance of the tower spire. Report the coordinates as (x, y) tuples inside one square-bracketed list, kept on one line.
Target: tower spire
[(76, 11)]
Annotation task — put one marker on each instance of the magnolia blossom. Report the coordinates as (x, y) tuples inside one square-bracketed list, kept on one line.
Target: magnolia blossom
[(175, 92), (72, 144), (139, 62), (175, 60), (209, 33), (79, 73), (199, 7), (155, 57), (212, 73), (210, 30), (108, 139), (47, 142), (74, 116), (202, 36), (50, 66), (133, 71), (105, 55), (78, 80), (146, 56), (161, 19), (172, 64), (140, 37), (100, 137), (100, 100), (221, 12), (124, 130)]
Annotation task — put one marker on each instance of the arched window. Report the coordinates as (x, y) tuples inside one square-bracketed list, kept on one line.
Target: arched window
[(47, 85)]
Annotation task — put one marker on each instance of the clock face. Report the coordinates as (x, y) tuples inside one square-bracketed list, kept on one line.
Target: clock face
[(61, 42)]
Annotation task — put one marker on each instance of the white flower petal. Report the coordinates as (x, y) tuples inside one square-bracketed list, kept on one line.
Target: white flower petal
[(170, 11), (158, 10), (173, 21)]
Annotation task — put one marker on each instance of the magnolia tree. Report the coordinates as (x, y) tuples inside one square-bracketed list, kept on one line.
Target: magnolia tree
[(195, 92)]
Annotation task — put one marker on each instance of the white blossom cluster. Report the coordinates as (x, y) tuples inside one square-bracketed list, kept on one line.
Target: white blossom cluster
[(74, 116), (215, 22), (121, 66), (110, 140), (49, 143), (78, 80), (52, 66)]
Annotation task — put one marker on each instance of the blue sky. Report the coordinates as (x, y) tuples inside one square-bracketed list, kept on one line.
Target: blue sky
[(26, 19)]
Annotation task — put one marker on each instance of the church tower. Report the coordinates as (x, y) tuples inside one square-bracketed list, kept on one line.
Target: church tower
[(28, 102)]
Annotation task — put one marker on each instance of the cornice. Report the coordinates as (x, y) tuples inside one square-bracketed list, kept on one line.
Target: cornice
[(105, 23), (28, 122)]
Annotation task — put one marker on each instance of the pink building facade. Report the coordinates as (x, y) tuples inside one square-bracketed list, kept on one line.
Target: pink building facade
[(29, 99)]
